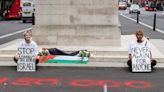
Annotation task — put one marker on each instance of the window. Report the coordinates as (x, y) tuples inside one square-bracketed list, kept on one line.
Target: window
[(27, 4), (0, 5)]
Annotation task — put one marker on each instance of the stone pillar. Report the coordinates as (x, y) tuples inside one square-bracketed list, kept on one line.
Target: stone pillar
[(76, 23)]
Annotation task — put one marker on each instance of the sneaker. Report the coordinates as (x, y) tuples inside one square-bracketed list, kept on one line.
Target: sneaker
[(81, 53), (84, 53), (87, 53)]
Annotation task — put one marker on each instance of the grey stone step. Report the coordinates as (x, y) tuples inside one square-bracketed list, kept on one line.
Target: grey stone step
[(103, 58), (88, 65), (12, 52), (118, 59), (159, 44), (7, 52)]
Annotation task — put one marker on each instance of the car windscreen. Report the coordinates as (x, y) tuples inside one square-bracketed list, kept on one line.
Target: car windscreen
[(26, 4), (0, 5), (135, 7), (122, 3)]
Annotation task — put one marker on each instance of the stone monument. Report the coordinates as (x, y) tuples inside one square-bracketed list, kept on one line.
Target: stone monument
[(76, 23)]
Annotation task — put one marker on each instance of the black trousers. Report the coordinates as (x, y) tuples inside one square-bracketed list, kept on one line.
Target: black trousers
[(153, 63), (36, 62), (55, 51)]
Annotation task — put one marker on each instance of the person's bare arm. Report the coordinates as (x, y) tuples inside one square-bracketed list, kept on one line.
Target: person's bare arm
[(150, 56)]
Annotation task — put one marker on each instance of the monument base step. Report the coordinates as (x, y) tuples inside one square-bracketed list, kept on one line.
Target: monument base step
[(88, 65), (93, 58)]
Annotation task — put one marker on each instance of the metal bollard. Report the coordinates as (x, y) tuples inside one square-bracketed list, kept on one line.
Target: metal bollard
[(154, 24), (137, 17), (33, 19)]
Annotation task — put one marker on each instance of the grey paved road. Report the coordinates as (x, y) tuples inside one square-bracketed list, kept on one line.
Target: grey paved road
[(130, 27), (11, 26), (147, 17), (57, 79)]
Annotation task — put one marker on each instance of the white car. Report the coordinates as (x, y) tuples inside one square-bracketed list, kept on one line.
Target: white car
[(134, 8), (27, 10), (122, 5)]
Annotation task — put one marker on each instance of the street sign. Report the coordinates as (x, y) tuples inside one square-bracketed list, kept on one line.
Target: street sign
[(26, 63), (141, 61)]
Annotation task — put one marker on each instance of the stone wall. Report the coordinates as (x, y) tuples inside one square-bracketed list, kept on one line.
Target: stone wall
[(77, 22)]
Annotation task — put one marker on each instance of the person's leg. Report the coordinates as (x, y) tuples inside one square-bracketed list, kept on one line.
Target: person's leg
[(74, 53), (61, 52), (55, 51), (67, 54), (129, 63), (36, 61), (153, 62), (15, 60)]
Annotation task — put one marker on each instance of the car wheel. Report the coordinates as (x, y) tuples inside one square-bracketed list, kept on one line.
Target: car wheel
[(24, 21)]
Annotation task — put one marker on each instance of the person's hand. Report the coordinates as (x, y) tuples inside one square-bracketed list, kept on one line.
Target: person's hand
[(147, 38), (16, 57), (34, 58)]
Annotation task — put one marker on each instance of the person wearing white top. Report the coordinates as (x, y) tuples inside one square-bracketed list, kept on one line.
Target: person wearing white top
[(140, 42), (27, 42)]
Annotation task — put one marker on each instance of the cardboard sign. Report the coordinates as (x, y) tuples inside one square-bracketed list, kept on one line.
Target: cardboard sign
[(25, 62), (141, 61)]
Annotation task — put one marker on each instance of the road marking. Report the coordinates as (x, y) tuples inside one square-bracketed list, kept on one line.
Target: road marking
[(161, 31), (105, 88), (7, 35)]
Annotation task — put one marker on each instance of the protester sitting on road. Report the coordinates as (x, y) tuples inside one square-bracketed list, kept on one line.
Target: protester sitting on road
[(140, 42), (28, 42)]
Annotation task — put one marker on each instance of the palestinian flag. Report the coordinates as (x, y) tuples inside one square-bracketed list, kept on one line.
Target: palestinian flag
[(63, 59)]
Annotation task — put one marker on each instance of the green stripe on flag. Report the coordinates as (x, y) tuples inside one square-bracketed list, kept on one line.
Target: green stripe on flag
[(67, 61)]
